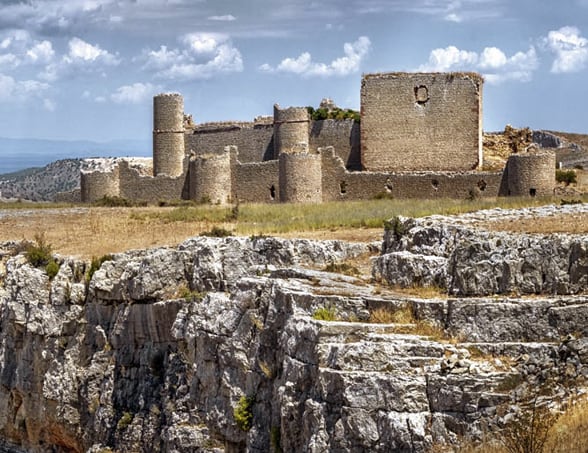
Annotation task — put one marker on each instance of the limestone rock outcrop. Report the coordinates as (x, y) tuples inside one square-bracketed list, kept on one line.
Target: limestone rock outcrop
[(158, 349)]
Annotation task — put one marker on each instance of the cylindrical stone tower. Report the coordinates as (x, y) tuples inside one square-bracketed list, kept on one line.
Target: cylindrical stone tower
[(531, 174), (300, 176), (291, 129), (168, 134), (210, 178), (95, 185)]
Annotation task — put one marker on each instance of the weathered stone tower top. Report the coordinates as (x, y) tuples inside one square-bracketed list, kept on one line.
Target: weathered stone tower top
[(291, 130), (168, 134), (421, 121)]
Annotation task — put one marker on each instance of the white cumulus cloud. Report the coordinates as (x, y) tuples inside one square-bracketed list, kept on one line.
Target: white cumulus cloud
[(492, 62), (82, 51), (201, 56), (41, 52), (135, 93), (570, 49), (354, 53)]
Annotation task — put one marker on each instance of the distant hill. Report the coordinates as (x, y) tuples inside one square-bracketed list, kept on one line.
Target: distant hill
[(41, 184), (18, 154)]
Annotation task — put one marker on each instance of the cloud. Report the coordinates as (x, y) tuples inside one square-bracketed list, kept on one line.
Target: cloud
[(225, 18), (202, 56), (135, 93), (49, 105), (303, 65), (41, 52), (570, 49), (82, 52), (492, 62), (15, 90)]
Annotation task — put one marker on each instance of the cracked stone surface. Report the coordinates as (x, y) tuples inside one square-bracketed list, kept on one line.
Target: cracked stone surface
[(155, 352)]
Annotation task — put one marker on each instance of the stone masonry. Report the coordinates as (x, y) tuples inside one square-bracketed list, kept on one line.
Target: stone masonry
[(419, 137)]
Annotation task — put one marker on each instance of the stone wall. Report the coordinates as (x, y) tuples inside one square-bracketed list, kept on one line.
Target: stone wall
[(421, 122), (341, 184), (98, 184), (343, 135), (300, 178), (137, 187), (256, 182), (210, 178), (531, 174), (255, 141)]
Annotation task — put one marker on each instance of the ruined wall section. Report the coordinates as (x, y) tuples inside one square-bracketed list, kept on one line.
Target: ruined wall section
[(254, 139), (256, 182), (340, 184), (300, 177), (343, 135), (99, 178), (531, 174), (421, 121), (291, 130), (168, 135), (210, 178), (137, 186)]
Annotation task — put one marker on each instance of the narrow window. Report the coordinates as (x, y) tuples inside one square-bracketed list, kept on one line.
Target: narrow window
[(273, 192), (532, 192), (343, 187), (482, 185), (435, 184)]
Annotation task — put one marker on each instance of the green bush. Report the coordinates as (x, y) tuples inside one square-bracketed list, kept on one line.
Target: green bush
[(566, 176), (325, 314), (243, 412), (52, 268), (38, 253)]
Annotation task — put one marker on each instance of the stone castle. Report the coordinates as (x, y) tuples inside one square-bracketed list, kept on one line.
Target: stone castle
[(420, 136)]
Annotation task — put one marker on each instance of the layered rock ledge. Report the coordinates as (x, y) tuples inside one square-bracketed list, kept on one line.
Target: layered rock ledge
[(159, 347)]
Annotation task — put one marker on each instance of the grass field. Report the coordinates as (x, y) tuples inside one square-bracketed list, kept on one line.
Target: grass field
[(88, 231)]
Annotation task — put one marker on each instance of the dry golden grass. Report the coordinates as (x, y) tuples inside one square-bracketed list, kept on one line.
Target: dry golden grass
[(571, 223), (388, 315), (95, 231)]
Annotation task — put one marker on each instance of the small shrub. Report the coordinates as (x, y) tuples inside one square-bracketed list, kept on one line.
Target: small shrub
[(325, 314), (190, 295), (243, 412), (217, 232), (383, 196), (52, 268), (396, 226), (38, 253), (125, 420), (566, 176), (95, 264), (113, 202)]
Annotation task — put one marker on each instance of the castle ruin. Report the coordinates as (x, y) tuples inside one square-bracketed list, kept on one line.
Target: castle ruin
[(420, 136)]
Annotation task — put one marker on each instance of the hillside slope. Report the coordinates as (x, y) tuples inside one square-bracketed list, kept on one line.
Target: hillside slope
[(41, 184)]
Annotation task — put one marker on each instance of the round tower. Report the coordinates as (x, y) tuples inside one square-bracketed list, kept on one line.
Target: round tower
[(96, 184), (300, 176), (291, 129), (531, 174), (168, 134), (210, 178)]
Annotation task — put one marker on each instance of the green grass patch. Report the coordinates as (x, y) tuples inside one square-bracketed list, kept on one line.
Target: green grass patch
[(243, 412), (325, 314)]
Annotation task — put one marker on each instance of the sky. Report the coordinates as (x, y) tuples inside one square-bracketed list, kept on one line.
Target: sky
[(88, 69)]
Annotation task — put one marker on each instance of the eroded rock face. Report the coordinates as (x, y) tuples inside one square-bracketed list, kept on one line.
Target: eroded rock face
[(157, 350), (452, 253)]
